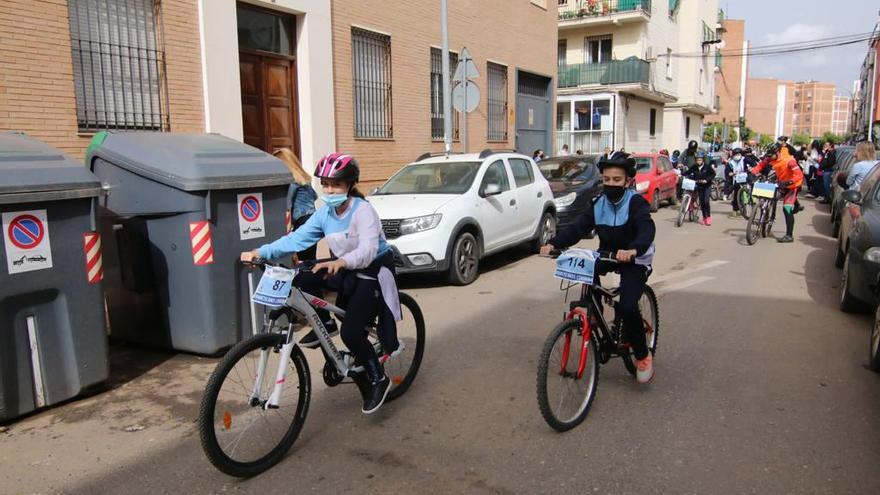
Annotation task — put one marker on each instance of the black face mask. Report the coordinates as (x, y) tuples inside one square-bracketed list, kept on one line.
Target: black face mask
[(613, 193)]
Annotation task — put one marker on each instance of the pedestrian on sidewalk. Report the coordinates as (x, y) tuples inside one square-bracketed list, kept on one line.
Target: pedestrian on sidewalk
[(829, 161), (866, 161), (301, 198)]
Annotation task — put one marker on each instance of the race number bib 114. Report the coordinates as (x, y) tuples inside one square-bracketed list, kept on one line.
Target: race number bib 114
[(577, 265), (274, 287)]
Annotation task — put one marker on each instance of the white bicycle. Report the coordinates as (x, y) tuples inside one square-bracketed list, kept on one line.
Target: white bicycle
[(257, 399)]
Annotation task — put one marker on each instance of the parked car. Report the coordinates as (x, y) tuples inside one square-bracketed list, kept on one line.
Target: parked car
[(575, 181), (845, 159), (848, 214), (446, 212), (874, 346), (861, 263), (656, 179)]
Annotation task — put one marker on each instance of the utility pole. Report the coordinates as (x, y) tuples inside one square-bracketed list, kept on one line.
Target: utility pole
[(447, 92)]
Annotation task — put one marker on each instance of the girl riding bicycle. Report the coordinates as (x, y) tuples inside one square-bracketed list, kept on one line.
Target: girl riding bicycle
[(363, 272), (623, 222), (703, 173)]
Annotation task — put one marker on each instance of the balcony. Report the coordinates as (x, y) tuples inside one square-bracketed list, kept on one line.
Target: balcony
[(630, 71), (579, 13)]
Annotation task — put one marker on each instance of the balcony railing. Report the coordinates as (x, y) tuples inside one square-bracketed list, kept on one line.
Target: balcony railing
[(590, 142), (629, 71), (576, 9)]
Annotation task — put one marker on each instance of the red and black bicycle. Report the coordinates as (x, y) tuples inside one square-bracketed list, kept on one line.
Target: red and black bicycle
[(568, 369)]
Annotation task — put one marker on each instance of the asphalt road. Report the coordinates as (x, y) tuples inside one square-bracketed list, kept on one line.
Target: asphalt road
[(760, 388)]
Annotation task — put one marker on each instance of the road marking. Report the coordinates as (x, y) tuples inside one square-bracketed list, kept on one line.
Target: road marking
[(672, 274), (684, 284)]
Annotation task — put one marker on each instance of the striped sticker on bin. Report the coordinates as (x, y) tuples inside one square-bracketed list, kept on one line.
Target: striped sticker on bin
[(200, 238), (94, 261)]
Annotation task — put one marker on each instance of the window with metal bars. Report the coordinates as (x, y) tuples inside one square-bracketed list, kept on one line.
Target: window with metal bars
[(437, 93), (118, 64), (497, 102), (371, 83)]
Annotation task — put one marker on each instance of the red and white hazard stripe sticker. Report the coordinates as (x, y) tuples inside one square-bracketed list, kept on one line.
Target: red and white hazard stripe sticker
[(94, 262), (288, 222), (200, 237)]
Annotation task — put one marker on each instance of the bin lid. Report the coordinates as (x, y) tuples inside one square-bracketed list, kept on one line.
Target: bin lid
[(31, 171), (189, 162)]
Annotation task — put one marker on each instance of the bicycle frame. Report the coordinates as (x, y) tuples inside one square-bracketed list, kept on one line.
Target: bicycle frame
[(590, 292)]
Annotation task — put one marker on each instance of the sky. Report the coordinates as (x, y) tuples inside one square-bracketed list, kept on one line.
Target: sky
[(771, 22)]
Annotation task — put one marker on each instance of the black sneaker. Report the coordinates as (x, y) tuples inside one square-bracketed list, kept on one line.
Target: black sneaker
[(379, 385), (787, 238), (310, 340)]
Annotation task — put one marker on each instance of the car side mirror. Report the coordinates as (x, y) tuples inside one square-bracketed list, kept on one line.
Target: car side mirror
[(852, 196), (491, 190)]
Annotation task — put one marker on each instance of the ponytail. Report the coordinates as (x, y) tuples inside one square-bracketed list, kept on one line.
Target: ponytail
[(355, 193)]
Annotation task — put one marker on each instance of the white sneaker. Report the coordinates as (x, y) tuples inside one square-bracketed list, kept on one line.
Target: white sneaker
[(645, 369), (388, 357)]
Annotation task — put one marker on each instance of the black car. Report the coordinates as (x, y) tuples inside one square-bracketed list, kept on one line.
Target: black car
[(861, 261), (845, 159), (574, 180)]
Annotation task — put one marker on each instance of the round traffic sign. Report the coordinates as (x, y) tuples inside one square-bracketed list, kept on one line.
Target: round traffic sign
[(25, 231), (250, 208)]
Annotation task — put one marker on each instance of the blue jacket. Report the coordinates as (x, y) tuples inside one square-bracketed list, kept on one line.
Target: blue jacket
[(301, 201)]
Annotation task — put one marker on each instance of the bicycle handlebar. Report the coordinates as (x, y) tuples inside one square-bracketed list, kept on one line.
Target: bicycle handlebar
[(305, 266), (603, 256)]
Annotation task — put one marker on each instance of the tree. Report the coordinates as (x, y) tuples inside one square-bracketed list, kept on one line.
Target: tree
[(832, 137), (800, 138), (716, 131), (765, 140), (746, 133)]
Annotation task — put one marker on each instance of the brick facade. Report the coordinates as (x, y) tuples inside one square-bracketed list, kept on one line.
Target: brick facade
[(517, 34), (36, 71)]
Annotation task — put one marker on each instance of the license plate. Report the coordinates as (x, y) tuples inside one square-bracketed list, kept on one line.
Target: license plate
[(764, 190), (689, 184), (274, 287), (577, 265), (741, 178)]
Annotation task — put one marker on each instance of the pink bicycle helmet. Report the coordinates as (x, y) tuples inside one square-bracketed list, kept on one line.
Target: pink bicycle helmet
[(338, 166)]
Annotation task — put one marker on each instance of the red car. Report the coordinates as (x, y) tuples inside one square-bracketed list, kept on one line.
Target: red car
[(656, 179)]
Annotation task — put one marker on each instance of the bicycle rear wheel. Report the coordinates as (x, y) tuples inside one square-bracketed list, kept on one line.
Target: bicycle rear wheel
[(651, 320), (402, 369), (239, 436), (564, 398)]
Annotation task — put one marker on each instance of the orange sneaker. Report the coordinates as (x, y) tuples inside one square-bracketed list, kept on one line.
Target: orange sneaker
[(645, 369)]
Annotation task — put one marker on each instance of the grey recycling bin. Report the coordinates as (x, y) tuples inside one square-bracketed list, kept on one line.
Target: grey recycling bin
[(180, 208), (53, 341)]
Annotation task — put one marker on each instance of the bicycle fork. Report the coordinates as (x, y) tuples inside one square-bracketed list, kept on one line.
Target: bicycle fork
[(566, 351), (280, 373)]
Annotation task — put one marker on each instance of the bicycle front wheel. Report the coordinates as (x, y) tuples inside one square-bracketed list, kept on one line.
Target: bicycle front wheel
[(239, 434), (755, 225), (568, 376), (745, 200), (683, 209)]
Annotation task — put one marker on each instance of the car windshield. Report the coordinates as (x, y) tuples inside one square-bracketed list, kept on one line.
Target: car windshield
[(643, 164), (432, 178), (565, 169)]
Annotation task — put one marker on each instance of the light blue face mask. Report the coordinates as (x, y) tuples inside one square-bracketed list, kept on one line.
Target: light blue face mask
[(334, 200)]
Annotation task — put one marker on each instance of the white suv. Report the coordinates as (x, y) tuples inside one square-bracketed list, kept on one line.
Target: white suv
[(445, 212)]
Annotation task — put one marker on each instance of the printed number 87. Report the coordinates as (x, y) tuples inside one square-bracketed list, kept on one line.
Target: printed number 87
[(278, 285)]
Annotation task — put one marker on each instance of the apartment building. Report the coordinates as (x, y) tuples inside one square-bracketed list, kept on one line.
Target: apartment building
[(388, 87), (731, 75), (841, 115), (866, 120), (634, 74), (808, 107)]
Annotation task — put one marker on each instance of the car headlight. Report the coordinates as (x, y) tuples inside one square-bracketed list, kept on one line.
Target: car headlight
[(873, 255), (642, 186), (567, 200), (419, 224)]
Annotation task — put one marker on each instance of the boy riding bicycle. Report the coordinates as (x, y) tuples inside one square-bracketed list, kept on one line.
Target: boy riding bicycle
[(623, 222)]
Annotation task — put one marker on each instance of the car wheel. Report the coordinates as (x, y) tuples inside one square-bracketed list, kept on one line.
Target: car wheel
[(465, 262), (874, 357), (839, 257), (655, 201), (848, 302), (546, 231)]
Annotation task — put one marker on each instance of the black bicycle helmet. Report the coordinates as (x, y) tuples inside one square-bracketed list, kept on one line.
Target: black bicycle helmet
[(773, 149), (737, 151), (693, 145), (618, 159)]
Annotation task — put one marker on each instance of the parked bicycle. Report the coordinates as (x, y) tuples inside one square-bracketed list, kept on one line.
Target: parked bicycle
[(763, 214), (568, 368), (690, 202), (717, 192), (256, 401)]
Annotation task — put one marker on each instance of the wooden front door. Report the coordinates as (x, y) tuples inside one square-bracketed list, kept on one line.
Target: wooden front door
[(267, 69)]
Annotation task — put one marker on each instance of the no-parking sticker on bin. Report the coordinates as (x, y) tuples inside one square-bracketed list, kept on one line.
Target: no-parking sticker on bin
[(26, 237), (251, 224)]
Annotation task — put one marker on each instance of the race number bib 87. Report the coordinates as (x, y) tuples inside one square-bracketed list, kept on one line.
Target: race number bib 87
[(577, 265), (274, 287)]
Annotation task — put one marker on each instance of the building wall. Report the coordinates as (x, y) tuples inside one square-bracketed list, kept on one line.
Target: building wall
[(517, 34), (314, 55), (634, 126), (841, 116), (808, 107), (761, 105), (36, 71), (728, 81), (690, 18)]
